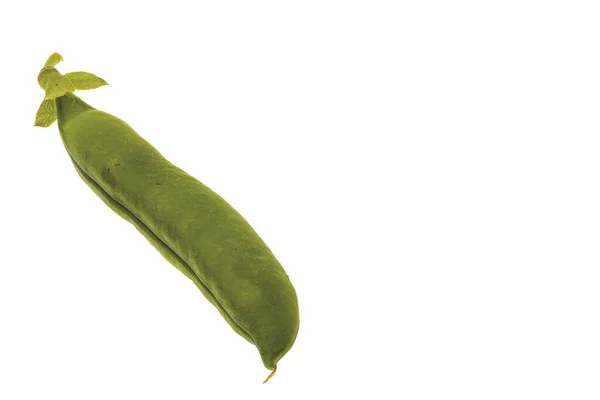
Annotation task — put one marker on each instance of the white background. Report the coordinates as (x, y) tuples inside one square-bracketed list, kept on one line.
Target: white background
[(427, 172)]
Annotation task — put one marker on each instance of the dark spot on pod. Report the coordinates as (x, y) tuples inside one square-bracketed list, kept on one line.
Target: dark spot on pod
[(108, 177)]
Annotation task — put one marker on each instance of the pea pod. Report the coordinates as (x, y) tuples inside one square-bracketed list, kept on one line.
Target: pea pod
[(194, 228)]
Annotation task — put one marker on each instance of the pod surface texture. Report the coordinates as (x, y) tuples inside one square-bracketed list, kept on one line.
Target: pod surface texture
[(190, 225)]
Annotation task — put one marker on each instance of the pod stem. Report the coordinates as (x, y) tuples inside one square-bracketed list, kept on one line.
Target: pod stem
[(270, 375), (56, 85)]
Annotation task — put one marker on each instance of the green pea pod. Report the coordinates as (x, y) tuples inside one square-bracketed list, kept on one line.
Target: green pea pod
[(194, 228)]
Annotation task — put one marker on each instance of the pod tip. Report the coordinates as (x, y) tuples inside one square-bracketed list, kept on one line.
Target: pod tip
[(270, 375)]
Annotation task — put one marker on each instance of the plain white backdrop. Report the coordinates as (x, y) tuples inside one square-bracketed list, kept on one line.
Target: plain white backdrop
[(427, 173)]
